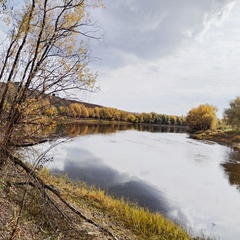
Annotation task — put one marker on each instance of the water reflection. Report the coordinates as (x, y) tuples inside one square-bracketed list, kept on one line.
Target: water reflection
[(90, 169), (160, 168), (158, 128), (75, 129), (72, 130), (232, 167)]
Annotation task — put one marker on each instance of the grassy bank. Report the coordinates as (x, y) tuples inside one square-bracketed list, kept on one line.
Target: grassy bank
[(31, 215), (142, 223), (226, 137)]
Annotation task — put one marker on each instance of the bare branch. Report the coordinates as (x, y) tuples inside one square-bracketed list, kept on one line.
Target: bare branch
[(42, 185)]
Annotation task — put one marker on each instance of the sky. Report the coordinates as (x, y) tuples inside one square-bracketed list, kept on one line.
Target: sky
[(167, 56)]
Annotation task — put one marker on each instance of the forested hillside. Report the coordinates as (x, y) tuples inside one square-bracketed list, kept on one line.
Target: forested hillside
[(54, 106)]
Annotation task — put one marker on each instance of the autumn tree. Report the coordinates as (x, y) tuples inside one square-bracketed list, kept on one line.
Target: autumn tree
[(104, 113), (75, 110), (45, 52), (202, 118), (147, 117), (91, 113), (131, 118), (139, 118), (51, 111), (96, 112), (84, 111), (232, 114), (63, 111), (123, 116)]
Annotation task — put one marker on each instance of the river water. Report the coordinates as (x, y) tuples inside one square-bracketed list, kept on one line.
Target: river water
[(193, 182)]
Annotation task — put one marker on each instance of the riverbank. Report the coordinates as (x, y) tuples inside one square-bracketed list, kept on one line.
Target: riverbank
[(228, 137), (93, 215), (90, 121)]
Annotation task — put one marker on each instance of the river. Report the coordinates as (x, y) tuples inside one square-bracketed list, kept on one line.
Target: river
[(195, 183)]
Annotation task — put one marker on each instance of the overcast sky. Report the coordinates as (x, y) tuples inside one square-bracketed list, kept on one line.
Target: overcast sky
[(167, 56)]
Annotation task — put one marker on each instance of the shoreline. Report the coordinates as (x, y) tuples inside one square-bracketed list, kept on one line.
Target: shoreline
[(226, 138), (101, 216)]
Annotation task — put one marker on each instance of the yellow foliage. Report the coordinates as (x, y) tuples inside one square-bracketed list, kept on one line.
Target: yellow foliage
[(202, 118)]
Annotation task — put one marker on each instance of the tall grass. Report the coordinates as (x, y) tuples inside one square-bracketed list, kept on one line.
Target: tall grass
[(144, 224)]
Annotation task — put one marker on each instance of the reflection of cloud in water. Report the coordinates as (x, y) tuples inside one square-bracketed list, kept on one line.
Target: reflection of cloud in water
[(142, 193), (90, 169)]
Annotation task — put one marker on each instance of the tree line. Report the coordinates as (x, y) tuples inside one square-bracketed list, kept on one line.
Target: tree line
[(49, 108), (80, 111)]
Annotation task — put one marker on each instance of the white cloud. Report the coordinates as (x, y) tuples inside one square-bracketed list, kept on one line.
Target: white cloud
[(169, 56), (155, 29)]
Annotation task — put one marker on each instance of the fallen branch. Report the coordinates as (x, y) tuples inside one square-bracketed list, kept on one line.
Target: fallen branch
[(53, 190)]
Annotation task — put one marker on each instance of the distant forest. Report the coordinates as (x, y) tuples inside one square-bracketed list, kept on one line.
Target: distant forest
[(53, 106), (82, 110)]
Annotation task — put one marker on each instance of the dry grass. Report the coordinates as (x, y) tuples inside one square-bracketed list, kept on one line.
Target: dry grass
[(144, 224), (40, 217), (28, 212), (225, 137)]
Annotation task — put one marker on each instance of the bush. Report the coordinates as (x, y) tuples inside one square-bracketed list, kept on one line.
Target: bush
[(202, 118)]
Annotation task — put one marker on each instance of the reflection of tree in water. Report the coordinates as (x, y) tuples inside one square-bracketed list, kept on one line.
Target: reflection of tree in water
[(73, 130), (232, 168), (160, 128), (76, 129)]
